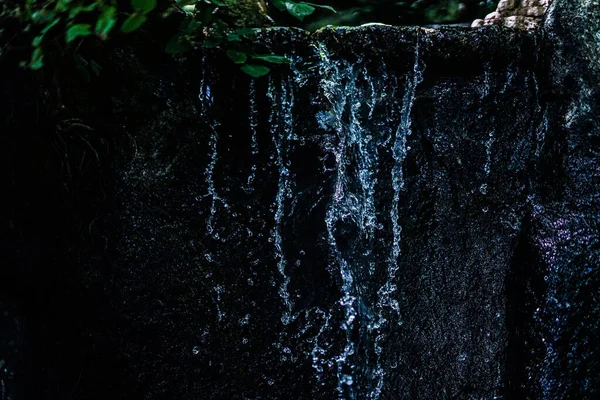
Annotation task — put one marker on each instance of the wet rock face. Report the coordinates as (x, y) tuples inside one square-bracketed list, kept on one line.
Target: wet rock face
[(399, 214), (341, 228), (523, 14), (562, 238)]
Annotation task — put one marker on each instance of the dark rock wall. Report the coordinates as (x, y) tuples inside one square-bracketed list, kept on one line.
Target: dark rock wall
[(399, 214), (558, 304)]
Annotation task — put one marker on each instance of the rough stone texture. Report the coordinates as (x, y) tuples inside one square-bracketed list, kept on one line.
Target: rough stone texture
[(523, 14), (163, 244), (558, 304)]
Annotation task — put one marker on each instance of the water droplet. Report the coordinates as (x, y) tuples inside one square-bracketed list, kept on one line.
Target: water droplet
[(196, 350)]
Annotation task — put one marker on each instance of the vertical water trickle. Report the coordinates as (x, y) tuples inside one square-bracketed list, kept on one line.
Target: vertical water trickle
[(211, 184), (386, 293), (399, 154), (219, 289), (334, 213), (319, 352), (362, 130), (281, 129), (488, 91), (206, 103), (253, 123), (542, 128), (339, 85)]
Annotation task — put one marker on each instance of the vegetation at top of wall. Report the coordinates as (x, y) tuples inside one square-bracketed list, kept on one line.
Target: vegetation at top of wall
[(224, 24), (229, 24), (207, 23)]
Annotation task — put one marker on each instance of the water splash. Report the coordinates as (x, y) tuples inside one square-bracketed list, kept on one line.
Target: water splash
[(206, 104), (386, 293), (219, 290), (340, 207), (318, 353), (281, 123), (252, 123), (488, 91), (361, 131)]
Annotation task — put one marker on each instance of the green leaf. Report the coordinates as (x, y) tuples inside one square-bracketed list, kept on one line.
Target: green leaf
[(319, 6), (50, 25), (62, 5), (76, 31), (37, 59), (237, 57), (205, 16), (178, 45), (255, 71), (189, 26), (233, 37), (106, 21), (91, 7), (144, 6), (212, 41), (272, 58), (222, 3), (278, 4), (299, 10), (133, 22), (42, 16), (248, 33), (75, 10), (37, 40)]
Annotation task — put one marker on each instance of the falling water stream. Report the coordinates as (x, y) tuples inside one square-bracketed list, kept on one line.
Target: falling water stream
[(363, 130), (365, 118), (281, 128)]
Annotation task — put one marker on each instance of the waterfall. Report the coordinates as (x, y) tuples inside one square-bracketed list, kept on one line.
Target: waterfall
[(363, 130), (361, 138), (281, 128)]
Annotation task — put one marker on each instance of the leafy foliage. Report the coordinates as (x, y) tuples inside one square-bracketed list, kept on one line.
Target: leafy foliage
[(74, 20), (222, 24), (228, 24)]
